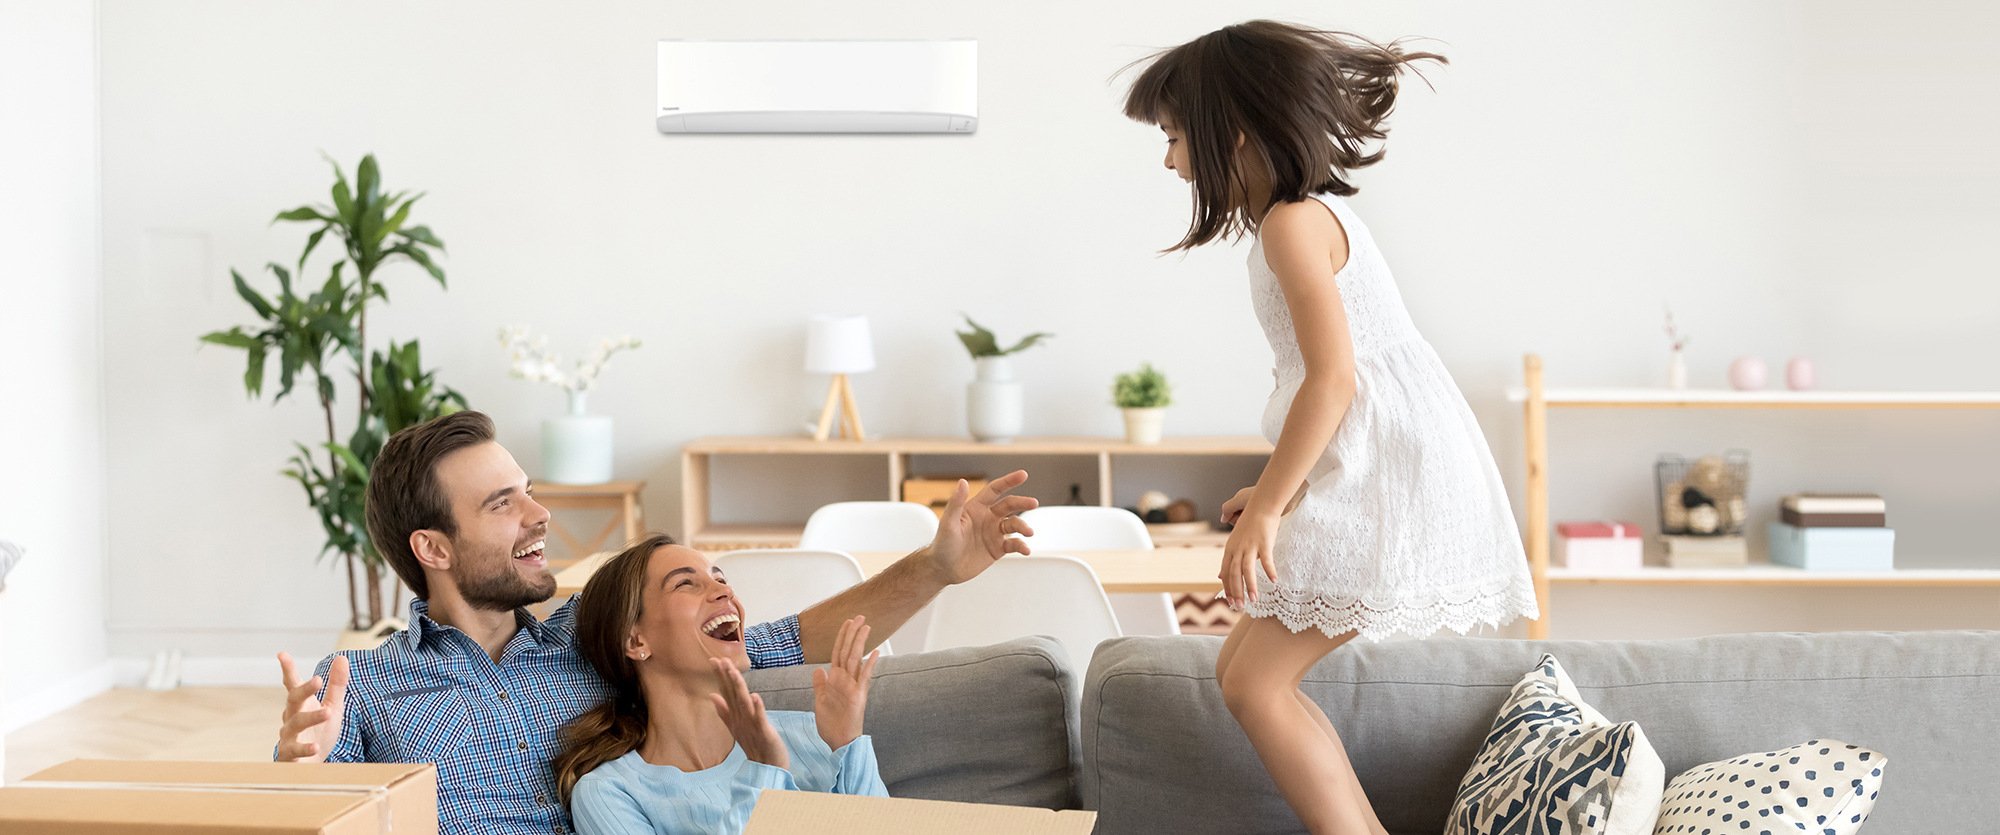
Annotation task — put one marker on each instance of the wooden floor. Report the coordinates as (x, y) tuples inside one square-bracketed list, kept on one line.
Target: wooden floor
[(191, 723)]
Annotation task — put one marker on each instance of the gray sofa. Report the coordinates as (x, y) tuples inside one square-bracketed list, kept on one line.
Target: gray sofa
[(1145, 740)]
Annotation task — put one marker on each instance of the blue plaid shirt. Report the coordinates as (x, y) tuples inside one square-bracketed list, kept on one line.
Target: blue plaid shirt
[(430, 694)]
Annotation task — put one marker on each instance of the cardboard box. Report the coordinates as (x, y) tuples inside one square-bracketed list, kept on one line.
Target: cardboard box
[(125, 797), (1833, 549), (1600, 546), (816, 813), (935, 491)]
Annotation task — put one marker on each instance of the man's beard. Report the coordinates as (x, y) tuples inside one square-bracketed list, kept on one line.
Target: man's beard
[(503, 589)]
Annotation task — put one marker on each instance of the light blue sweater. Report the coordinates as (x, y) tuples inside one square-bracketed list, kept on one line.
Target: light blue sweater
[(629, 796)]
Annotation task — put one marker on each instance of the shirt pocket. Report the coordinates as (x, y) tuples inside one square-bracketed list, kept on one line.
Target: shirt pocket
[(431, 725)]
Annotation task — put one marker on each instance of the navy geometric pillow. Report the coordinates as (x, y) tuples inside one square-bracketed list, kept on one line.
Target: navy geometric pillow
[(1822, 787), (1552, 765)]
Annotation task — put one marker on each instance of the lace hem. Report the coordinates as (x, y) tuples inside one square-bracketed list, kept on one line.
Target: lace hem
[(1336, 615)]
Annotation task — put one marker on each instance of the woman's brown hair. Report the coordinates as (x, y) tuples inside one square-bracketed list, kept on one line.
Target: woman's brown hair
[(1308, 103), (605, 612)]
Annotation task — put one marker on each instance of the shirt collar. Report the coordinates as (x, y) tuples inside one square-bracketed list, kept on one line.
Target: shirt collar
[(421, 626)]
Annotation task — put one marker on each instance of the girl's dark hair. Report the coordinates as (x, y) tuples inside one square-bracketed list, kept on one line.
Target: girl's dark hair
[(605, 612), (1308, 104)]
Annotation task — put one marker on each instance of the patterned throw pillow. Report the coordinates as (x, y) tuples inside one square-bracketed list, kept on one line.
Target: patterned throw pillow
[(1825, 787), (1552, 765)]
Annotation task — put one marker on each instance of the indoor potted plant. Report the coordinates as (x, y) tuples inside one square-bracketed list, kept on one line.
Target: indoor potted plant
[(1144, 396), (576, 448), (993, 400), (324, 331)]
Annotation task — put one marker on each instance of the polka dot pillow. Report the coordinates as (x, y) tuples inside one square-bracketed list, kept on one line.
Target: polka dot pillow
[(1822, 787)]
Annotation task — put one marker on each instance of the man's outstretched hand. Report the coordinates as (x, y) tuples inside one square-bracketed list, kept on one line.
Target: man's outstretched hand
[(974, 532)]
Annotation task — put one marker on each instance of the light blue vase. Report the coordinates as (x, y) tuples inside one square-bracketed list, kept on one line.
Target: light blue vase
[(576, 448)]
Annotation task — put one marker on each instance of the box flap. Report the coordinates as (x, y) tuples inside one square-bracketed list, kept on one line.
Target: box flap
[(193, 797), (816, 813)]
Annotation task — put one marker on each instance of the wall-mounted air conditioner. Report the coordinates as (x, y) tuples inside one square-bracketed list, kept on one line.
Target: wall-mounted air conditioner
[(819, 86)]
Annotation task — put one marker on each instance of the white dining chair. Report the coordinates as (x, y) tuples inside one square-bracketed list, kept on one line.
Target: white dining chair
[(1065, 529), (775, 582), (1020, 596), (896, 527)]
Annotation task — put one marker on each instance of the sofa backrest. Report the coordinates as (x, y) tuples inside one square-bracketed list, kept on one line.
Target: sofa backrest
[(1162, 754), (992, 724)]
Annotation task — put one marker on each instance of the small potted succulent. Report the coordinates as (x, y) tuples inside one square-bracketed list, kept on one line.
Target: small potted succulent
[(993, 399), (1145, 396)]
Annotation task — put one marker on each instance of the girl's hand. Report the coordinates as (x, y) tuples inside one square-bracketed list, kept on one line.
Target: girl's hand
[(1233, 508), (743, 712), (840, 689), (1249, 546)]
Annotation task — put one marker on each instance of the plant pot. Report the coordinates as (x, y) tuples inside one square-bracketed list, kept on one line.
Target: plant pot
[(1142, 426), (993, 402), (576, 448), (371, 637)]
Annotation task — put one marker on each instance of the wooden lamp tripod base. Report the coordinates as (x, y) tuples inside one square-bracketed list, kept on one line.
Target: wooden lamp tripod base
[(840, 393)]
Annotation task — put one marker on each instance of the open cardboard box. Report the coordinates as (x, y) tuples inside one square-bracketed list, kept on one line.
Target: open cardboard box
[(814, 813), (101, 797)]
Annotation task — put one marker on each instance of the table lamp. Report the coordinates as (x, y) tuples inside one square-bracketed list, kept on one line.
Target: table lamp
[(839, 345)]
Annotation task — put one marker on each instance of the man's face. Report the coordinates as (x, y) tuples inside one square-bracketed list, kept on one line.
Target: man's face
[(496, 558)]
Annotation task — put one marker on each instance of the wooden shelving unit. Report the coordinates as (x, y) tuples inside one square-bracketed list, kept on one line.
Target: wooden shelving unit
[(698, 461), (1537, 400)]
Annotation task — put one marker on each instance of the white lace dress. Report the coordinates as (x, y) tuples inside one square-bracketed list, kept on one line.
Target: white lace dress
[(1404, 527)]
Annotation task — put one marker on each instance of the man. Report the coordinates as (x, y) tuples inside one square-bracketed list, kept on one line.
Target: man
[(482, 688)]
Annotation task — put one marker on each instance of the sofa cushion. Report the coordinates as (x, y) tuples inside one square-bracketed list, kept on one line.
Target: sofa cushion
[(990, 724), (1822, 786), (1551, 765), (1162, 754)]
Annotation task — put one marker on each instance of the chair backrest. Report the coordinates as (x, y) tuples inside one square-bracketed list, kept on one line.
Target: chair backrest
[(870, 526), (1022, 596), (1065, 528), (779, 582)]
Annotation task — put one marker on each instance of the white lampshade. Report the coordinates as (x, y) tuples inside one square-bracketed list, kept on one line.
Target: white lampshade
[(839, 345)]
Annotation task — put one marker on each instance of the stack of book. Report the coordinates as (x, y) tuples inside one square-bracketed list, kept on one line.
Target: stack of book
[(1834, 532), (1705, 551)]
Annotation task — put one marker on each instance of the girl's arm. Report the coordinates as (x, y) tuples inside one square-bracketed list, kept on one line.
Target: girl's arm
[(1305, 247)]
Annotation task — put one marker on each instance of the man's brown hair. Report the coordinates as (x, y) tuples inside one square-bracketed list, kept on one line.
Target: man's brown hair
[(404, 495)]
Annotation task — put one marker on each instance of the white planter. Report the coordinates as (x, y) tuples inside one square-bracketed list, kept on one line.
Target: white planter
[(1142, 426), (1677, 371), (993, 402), (576, 448)]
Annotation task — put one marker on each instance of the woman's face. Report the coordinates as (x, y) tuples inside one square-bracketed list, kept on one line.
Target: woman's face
[(687, 615)]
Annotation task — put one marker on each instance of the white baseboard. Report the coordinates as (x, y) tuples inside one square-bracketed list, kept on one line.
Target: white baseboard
[(30, 708), (210, 671)]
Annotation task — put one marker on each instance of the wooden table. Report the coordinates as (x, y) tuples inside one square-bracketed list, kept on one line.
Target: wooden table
[(619, 498), (1189, 570)]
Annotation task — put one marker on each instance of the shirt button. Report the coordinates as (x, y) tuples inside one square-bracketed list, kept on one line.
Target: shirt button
[(503, 695), (523, 744), (541, 798)]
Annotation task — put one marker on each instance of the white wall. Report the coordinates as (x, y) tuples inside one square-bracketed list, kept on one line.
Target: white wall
[(1577, 166), (51, 359)]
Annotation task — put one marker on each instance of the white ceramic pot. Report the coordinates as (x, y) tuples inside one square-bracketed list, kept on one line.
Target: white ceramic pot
[(1142, 426), (993, 402), (1677, 371), (576, 448)]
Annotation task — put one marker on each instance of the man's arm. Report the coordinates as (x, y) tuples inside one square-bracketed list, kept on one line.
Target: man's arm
[(973, 534)]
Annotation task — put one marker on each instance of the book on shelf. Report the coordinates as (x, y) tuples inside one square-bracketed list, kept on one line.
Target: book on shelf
[(1706, 551), (1868, 503), (1833, 520)]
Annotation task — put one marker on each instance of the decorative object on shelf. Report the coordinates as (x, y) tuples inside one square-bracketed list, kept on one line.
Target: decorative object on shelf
[(324, 331), (934, 491), (1747, 373), (1834, 510), (1677, 372), (993, 399), (1599, 546), (1833, 549), (1706, 551), (1144, 395), (1799, 375), (839, 345), (576, 448), (1158, 509), (1704, 497)]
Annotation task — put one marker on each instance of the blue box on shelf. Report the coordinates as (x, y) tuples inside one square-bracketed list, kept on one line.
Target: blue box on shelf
[(1833, 549)]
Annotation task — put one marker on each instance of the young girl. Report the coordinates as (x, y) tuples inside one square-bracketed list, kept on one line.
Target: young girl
[(1381, 511), (683, 746)]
